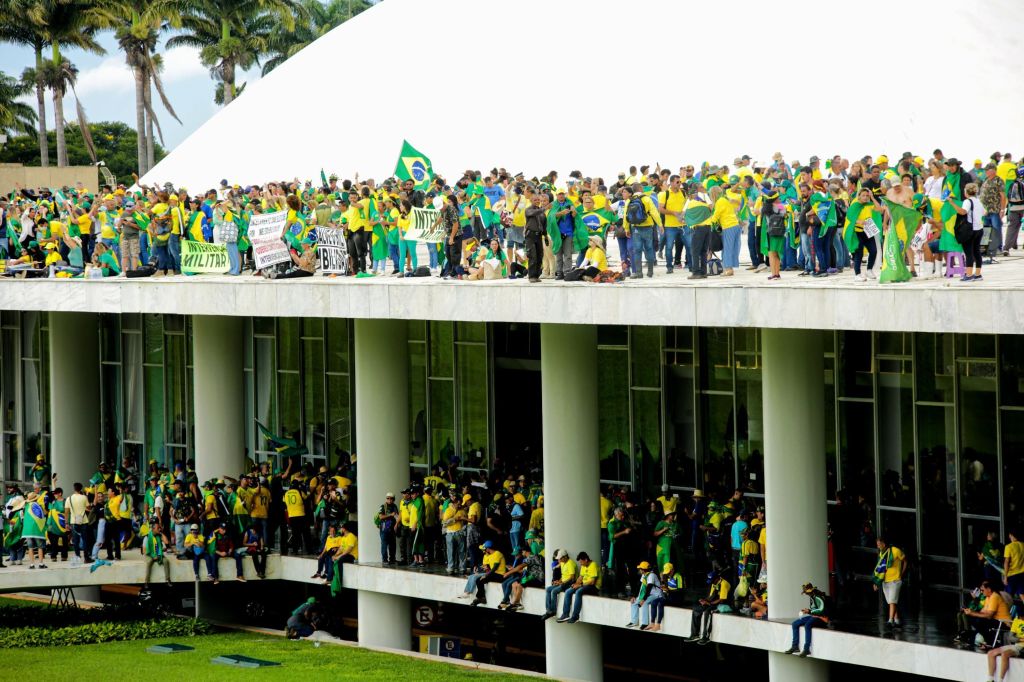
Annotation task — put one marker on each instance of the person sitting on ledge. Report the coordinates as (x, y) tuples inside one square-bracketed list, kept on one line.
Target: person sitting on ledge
[(816, 615), (586, 583), (493, 570)]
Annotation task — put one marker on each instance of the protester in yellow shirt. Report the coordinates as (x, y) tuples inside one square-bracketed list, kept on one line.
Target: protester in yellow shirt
[(492, 571), (295, 505), (1013, 565), (586, 583), (888, 575)]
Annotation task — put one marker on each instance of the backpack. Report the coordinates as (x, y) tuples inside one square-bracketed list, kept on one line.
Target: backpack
[(776, 224), (636, 212), (963, 230), (1015, 194), (421, 271)]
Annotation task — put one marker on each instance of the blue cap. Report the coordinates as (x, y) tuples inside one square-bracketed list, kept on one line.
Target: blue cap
[(488, 545)]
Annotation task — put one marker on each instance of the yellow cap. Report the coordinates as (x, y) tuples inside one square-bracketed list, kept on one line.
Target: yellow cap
[(883, 159), (519, 499), (668, 568), (977, 162), (644, 566), (109, 197), (918, 160), (173, 197)]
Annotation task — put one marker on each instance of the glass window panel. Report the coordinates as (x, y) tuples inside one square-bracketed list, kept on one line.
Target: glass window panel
[(717, 437), (935, 367), (44, 383), (263, 325), (645, 354), (339, 419), (831, 460), (30, 334), (612, 335), (154, 414), (442, 420), (679, 338), (855, 365), (177, 391), (174, 323), (266, 386), (896, 439), (1011, 370), (312, 327), (647, 439), (417, 330), (9, 318), (857, 448), (899, 528), (31, 410), (9, 344), (313, 402), (418, 403), (132, 373), (132, 321), (1013, 468), (979, 474), (473, 402), (941, 572), (975, 346), (246, 343), (471, 331), (288, 344), (613, 417), (337, 346), (936, 437), (680, 429), (749, 428), (893, 343), (250, 417), (716, 362), (290, 404), (10, 457), (154, 334), (441, 363), (110, 338), (974, 533)]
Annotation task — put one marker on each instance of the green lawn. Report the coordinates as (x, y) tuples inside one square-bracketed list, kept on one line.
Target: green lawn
[(300, 659)]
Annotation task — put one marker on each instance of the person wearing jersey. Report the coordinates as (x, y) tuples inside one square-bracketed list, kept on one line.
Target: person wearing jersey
[(196, 549), (298, 526), (586, 583), (492, 570), (153, 546), (816, 615), (888, 576), (677, 235), (259, 509)]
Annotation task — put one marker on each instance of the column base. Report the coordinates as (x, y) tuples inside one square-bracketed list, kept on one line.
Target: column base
[(573, 652), (384, 620), (791, 668)]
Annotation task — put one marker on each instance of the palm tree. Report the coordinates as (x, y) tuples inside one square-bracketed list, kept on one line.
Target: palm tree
[(232, 34), (17, 27), (313, 21), (15, 116), (138, 24), (66, 22)]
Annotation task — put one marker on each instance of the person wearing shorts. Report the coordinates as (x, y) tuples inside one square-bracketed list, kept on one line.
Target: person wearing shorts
[(888, 575), (1004, 653)]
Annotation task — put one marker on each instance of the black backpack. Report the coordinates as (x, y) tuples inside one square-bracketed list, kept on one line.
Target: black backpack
[(636, 211), (1015, 194), (963, 230), (776, 224)]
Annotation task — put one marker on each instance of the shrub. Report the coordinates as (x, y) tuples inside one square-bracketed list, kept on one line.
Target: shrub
[(94, 633), (40, 615)]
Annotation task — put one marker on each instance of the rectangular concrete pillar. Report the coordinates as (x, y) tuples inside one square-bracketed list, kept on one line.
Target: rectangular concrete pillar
[(794, 475), (382, 466), (74, 397), (219, 399), (572, 480)]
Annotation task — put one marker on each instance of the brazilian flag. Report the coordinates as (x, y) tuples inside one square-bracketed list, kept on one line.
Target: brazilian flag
[(947, 214), (904, 221), (412, 165), (379, 238), (589, 224), (825, 209), (696, 212), (286, 447), (853, 214), (13, 534)]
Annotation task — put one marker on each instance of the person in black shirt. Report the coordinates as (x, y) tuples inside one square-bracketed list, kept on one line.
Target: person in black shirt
[(536, 225)]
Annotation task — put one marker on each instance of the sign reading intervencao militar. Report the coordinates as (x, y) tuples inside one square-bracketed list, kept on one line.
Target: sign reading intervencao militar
[(198, 258)]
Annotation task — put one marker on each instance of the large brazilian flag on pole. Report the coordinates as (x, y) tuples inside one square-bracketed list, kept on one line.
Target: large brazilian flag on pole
[(412, 165)]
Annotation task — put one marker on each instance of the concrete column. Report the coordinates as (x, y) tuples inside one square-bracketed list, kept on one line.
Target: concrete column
[(219, 399), (382, 437), (794, 475), (572, 480), (74, 397)]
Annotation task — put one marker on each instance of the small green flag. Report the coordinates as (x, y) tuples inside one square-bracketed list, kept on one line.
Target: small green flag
[(412, 165)]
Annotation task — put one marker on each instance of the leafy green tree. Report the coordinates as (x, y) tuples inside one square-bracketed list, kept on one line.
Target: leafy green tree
[(15, 115), (115, 146), (316, 20)]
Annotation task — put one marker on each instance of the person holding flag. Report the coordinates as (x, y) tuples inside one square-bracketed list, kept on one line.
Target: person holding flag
[(33, 530), (414, 166)]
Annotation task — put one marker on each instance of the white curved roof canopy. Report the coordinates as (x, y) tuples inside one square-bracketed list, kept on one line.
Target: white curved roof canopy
[(598, 85)]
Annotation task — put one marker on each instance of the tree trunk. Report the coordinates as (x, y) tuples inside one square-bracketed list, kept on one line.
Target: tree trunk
[(229, 83), (150, 161), (58, 124), (44, 143), (140, 119)]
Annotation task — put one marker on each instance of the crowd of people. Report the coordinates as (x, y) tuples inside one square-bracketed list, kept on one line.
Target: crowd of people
[(813, 218), (708, 552)]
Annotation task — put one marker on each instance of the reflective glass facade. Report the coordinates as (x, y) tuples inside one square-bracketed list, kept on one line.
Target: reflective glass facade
[(923, 430)]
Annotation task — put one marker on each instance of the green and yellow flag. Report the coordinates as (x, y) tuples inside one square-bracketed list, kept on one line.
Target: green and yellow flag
[(904, 221), (947, 214), (414, 166)]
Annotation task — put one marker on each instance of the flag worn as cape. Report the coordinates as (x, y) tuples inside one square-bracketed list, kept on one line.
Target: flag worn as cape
[(948, 214), (825, 208), (903, 220)]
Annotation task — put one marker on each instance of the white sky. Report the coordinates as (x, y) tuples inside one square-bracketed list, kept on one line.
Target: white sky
[(598, 85)]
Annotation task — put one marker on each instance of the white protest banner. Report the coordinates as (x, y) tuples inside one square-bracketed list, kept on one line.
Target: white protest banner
[(265, 234), (332, 251), (422, 229), (870, 228), (197, 257)]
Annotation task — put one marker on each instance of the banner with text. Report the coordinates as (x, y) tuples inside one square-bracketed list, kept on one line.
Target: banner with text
[(265, 235), (422, 228), (198, 258), (332, 251)]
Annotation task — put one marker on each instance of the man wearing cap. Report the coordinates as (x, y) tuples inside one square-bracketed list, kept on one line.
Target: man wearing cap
[(716, 600), (453, 522), (41, 472), (993, 200), (386, 519), (492, 570), (402, 530), (565, 571), (153, 545), (648, 607), (565, 216), (586, 583), (195, 549), (814, 616), (640, 223)]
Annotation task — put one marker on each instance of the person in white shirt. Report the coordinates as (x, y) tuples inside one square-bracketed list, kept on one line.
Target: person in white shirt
[(77, 510), (971, 207)]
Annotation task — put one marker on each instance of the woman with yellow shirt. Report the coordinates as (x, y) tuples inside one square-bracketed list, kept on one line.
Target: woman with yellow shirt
[(406, 247), (724, 215), (453, 525)]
